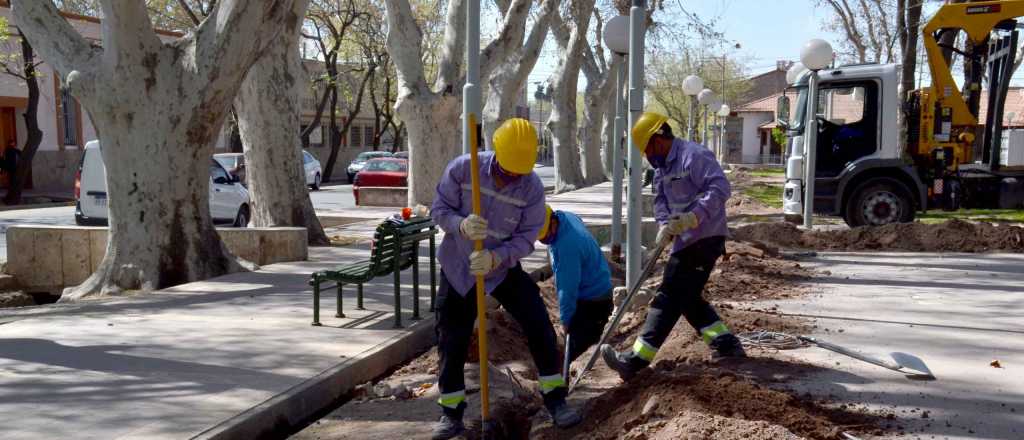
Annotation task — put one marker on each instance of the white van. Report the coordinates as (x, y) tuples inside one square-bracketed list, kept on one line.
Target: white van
[(229, 200)]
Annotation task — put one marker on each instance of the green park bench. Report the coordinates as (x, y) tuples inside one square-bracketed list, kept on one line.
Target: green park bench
[(395, 247)]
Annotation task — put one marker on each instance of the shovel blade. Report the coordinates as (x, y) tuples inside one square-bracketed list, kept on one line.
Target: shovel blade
[(913, 364)]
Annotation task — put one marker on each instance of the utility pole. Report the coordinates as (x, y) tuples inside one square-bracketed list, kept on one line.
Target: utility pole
[(616, 37), (636, 109)]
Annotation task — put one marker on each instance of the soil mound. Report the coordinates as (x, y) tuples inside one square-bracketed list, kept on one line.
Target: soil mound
[(697, 403), (950, 236)]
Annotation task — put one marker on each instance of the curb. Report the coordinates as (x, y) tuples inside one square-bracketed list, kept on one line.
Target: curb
[(294, 407), (35, 206)]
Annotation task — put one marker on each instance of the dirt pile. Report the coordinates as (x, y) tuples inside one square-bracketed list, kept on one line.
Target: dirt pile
[(741, 204), (701, 403), (950, 236)]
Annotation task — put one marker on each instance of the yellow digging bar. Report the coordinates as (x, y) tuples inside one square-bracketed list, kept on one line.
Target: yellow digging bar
[(481, 291)]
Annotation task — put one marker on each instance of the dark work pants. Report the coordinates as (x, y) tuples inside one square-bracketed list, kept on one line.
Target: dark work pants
[(456, 314), (682, 289), (588, 324)]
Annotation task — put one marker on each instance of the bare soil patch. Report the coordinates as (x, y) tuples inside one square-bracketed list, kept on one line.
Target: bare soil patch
[(950, 236)]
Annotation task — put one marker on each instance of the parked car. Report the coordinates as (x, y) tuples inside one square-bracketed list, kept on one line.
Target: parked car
[(229, 200), (234, 163), (360, 161), (312, 169), (401, 155), (382, 172)]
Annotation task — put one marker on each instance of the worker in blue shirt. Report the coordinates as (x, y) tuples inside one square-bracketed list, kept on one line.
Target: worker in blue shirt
[(582, 279)]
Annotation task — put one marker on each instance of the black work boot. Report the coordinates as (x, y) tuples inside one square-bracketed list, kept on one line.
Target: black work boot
[(727, 346), (450, 424), (561, 414), (626, 364)]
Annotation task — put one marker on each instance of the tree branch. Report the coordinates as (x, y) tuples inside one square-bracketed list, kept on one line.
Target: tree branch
[(405, 43), (53, 37), (127, 30), (188, 10), (509, 37), (453, 49)]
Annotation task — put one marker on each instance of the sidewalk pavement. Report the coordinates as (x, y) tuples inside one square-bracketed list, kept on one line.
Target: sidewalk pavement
[(592, 204), (231, 357), (957, 312)]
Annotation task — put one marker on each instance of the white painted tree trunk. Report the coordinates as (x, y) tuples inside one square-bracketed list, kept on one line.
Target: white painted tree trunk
[(434, 139), (432, 116), (595, 105), (609, 135), (158, 108), (269, 123), (562, 122), (505, 85)]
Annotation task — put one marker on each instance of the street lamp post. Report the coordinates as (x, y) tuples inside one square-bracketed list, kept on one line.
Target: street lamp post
[(692, 85), (616, 37), (815, 55), (705, 98), (637, 30)]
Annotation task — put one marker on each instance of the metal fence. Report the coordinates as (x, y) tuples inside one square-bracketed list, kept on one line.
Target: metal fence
[(763, 159)]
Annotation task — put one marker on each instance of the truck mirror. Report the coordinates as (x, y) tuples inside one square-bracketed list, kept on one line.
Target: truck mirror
[(782, 111)]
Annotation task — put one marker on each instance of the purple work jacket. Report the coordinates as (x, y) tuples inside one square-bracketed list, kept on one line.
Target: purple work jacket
[(514, 214), (691, 180)]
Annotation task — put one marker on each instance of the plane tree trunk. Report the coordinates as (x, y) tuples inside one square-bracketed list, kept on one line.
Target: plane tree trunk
[(269, 124), (158, 108)]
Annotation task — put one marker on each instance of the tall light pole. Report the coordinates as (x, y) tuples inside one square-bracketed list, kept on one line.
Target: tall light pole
[(692, 85), (815, 55), (616, 37), (705, 97), (637, 31)]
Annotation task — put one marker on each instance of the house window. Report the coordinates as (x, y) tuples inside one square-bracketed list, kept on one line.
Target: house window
[(68, 117), (356, 136), (368, 134)]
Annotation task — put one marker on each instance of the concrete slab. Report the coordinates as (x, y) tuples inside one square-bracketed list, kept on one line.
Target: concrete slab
[(231, 357), (958, 312)]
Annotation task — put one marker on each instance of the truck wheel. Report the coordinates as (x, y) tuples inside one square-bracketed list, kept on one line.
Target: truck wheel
[(879, 202)]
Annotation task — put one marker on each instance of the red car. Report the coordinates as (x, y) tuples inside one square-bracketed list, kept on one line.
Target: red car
[(382, 172)]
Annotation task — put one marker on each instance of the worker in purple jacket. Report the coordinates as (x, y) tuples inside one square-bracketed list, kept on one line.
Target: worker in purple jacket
[(689, 204), (512, 214)]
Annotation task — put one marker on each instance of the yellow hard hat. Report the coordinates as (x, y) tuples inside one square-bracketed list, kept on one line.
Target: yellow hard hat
[(648, 125), (515, 146), (547, 222)]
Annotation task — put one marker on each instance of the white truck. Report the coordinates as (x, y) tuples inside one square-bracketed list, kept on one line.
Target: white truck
[(868, 173)]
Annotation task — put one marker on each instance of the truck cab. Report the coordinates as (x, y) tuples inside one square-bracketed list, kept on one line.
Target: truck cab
[(861, 173)]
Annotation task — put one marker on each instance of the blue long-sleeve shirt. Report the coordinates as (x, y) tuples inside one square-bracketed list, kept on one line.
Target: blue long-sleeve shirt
[(581, 271)]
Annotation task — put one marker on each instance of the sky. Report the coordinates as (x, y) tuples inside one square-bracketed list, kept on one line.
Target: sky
[(767, 31)]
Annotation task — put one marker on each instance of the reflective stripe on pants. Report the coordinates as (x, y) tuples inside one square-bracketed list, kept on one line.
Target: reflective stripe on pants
[(643, 350), (452, 400), (713, 331)]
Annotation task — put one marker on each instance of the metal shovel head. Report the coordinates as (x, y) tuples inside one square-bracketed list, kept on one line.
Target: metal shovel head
[(914, 366)]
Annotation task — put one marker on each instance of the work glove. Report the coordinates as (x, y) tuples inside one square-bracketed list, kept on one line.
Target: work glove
[(483, 262), (474, 227), (677, 224)]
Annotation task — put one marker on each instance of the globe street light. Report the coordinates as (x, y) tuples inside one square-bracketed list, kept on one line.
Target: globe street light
[(815, 55), (616, 37), (692, 85)]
